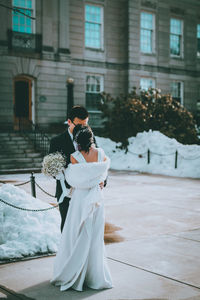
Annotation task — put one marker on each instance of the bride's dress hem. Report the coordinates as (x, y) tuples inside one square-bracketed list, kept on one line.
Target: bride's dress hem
[(62, 289)]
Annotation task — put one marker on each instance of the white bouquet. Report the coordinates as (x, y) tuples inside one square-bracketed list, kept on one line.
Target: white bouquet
[(53, 164)]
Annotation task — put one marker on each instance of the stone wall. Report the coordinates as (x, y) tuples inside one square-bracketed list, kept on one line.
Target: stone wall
[(120, 62)]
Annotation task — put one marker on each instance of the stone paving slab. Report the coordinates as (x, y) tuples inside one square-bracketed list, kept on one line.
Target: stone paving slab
[(193, 235), (169, 256), (30, 280), (158, 219)]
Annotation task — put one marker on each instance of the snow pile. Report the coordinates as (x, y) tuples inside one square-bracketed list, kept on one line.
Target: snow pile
[(24, 233), (162, 155)]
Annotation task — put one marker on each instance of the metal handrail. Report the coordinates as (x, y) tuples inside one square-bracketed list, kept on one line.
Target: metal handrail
[(34, 133)]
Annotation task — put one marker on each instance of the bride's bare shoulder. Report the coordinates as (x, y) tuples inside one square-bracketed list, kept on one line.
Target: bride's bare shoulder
[(73, 160)]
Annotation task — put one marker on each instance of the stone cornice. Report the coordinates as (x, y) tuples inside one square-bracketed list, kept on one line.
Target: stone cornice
[(132, 66)]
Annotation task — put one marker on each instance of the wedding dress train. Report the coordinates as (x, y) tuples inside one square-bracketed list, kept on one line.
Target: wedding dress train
[(81, 258)]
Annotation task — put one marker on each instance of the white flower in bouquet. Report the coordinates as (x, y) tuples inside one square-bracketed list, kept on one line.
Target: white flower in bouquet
[(53, 164)]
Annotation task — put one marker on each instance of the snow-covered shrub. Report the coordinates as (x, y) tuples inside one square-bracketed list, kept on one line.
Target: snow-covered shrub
[(125, 116)]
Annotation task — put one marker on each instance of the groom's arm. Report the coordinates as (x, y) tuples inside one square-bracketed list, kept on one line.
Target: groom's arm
[(54, 145)]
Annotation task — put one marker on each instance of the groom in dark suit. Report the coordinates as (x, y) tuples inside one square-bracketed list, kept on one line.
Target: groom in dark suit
[(64, 143)]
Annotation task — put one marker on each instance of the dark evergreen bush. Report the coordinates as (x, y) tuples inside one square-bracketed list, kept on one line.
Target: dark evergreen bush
[(125, 116)]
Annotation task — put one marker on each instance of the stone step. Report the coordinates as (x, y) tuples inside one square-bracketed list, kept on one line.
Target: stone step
[(4, 134), (10, 151), (20, 160), (11, 138), (16, 151), (20, 171), (16, 147), (31, 150), (15, 142), (35, 155), (17, 155), (18, 165), (38, 165)]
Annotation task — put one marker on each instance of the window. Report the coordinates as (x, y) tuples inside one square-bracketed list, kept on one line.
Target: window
[(20, 22), (198, 40), (176, 37), (146, 83), (147, 32), (93, 26), (177, 91), (94, 86)]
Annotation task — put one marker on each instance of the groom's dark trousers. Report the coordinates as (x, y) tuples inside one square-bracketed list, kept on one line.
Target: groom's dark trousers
[(62, 143)]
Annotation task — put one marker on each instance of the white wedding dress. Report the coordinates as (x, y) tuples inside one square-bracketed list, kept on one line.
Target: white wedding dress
[(81, 258)]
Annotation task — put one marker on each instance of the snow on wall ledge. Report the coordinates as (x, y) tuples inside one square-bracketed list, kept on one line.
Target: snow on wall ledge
[(162, 155), (25, 233)]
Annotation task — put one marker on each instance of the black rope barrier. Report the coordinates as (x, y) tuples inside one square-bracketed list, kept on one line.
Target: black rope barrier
[(43, 190), (27, 209), (19, 184), (160, 154), (189, 158), (167, 154), (138, 154)]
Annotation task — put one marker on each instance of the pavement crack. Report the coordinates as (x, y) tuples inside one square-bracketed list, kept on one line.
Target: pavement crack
[(155, 273), (185, 238)]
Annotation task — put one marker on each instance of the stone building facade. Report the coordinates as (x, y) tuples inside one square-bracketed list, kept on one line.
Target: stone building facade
[(93, 46)]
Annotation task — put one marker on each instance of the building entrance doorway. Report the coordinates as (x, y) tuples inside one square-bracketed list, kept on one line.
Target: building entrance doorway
[(22, 103)]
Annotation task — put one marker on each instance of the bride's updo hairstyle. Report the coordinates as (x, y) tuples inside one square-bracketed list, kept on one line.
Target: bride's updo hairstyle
[(84, 137)]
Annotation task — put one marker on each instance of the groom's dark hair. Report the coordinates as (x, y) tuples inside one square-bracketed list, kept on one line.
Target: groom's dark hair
[(78, 111)]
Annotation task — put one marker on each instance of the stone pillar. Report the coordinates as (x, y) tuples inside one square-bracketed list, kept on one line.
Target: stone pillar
[(70, 95), (63, 44)]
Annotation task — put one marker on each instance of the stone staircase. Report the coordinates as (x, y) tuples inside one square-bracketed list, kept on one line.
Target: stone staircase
[(17, 154)]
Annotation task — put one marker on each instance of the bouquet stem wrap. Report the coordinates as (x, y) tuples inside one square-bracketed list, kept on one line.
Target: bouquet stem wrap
[(65, 191)]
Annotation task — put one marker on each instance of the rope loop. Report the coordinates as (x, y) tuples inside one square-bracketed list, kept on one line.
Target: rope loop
[(27, 209)]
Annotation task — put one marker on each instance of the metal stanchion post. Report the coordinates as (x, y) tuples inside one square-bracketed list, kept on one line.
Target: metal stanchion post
[(148, 156), (33, 192), (176, 159)]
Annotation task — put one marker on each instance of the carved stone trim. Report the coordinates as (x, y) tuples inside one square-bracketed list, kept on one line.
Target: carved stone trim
[(25, 41), (149, 4), (177, 11), (47, 48)]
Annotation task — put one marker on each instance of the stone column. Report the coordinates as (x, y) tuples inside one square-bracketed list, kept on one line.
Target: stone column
[(63, 44)]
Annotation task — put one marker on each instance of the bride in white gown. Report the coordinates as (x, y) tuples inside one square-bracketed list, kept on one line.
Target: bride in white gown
[(81, 258)]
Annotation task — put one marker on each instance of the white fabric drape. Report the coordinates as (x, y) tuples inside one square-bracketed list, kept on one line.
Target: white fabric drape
[(81, 256)]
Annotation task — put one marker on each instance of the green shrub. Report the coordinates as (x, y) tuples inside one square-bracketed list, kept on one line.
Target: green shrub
[(125, 116)]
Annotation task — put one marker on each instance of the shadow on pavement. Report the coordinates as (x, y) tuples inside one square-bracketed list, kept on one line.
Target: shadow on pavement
[(45, 291)]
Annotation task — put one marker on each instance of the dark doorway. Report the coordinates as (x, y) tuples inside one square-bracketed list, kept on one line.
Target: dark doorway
[(22, 103)]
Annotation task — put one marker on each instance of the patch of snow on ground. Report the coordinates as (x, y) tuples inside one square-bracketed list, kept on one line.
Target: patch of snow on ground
[(24, 233), (162, 155)]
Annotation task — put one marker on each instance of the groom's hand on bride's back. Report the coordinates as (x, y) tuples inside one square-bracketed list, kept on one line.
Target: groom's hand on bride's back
[(101, 184)]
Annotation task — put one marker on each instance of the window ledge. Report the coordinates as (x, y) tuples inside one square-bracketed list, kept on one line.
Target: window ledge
[(148, 54), (177, 57), (94, 49), (95, 111)]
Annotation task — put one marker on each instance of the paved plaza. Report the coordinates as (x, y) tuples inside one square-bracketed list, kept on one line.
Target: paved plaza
[(152, 242)]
